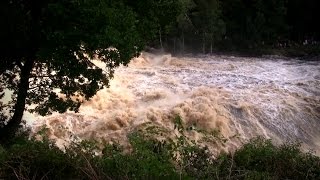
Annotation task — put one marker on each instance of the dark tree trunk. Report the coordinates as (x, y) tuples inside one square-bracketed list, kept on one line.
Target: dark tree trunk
[(174, 45), (204, 45), (160, 38), (182, 42), (9, 130)]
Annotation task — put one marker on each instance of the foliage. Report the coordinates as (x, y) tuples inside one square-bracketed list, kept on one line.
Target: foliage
[(283, 162), (32, 159), (147, 160), (251, 23), (155, 17), (244, 25), (207, 17), (152, 159), (48, 48)]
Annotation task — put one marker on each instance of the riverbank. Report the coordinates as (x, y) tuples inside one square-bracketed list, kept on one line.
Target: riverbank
[(153, 159), (310, 53)]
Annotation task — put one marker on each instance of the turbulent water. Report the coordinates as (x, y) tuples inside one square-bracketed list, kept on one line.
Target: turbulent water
[(240, 97)]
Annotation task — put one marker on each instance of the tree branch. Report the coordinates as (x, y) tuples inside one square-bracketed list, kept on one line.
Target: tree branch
[(44, 76), (91, 63)]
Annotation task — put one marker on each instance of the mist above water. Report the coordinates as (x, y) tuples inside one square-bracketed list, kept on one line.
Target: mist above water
[(240, 97)]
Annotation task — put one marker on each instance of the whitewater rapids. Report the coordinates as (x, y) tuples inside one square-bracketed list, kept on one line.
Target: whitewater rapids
[(240, 97)]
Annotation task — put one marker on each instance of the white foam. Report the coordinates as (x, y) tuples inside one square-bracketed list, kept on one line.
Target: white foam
[(278, 98)]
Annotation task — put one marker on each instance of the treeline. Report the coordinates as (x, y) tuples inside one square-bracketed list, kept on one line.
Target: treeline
[(208, 25)]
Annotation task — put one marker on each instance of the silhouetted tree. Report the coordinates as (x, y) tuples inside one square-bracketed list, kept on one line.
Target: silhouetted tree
[(47, 49)]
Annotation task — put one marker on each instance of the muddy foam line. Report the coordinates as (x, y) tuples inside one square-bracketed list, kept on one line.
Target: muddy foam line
[(239, 97)]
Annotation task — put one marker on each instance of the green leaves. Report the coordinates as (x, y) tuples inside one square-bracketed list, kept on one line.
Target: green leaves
[(63, 37), (149, 158)]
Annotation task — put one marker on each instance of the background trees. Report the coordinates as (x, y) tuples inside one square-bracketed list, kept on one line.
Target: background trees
[(302, 17), (207, 18), (254, 22), (155, 17), (244, 24)]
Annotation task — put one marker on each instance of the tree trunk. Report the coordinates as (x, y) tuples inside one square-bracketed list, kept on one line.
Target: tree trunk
[(23, 86), (182, 42), (9, 130), (204, 45), (160, 38), (174, 45), (211, 48)]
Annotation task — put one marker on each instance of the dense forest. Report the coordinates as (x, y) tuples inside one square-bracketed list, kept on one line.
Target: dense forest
[(235, 25)]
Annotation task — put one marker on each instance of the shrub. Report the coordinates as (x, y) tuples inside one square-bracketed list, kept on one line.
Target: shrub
[(150, 158), (28, 159)]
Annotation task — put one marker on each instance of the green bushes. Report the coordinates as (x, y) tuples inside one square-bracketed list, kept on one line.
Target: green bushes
[(34, 159), (283, 162), (150, 158), (147, 160)]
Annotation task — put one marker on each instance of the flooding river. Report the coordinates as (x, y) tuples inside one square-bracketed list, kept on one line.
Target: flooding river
[(240, 97)]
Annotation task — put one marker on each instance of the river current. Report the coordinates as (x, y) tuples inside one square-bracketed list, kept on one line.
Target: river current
[(240, 97)]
